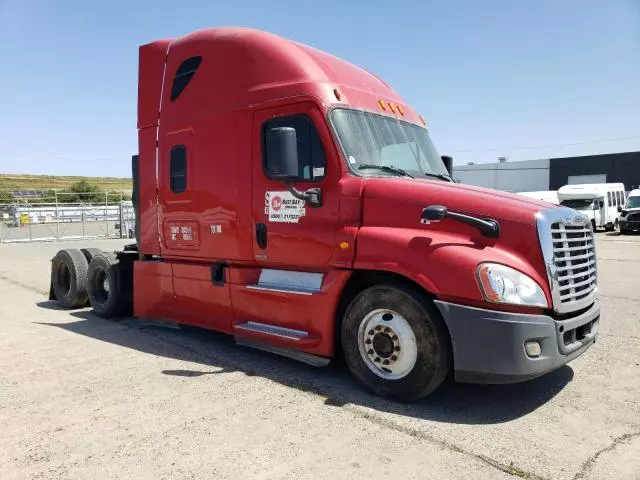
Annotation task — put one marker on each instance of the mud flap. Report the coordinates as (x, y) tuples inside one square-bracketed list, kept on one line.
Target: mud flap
[(52, 293)]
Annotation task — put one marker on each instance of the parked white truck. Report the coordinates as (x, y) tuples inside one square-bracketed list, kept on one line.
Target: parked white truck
[(629, 218), (599, 201)]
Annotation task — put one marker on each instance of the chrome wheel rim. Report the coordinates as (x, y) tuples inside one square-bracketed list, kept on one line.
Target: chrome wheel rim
[(387, 344)]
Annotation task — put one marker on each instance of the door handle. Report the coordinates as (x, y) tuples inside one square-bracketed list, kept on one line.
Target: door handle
[(261, 235)]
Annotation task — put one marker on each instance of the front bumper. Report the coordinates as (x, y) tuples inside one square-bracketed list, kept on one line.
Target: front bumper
[(627, 225), (488, 346)]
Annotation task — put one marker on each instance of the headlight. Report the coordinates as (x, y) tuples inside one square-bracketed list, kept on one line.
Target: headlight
[(502, 284)]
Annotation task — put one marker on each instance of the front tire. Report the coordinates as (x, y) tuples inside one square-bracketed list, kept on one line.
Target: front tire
[(395, 342)]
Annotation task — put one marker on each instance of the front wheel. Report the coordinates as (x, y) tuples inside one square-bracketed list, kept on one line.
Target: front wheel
[(395, 342)]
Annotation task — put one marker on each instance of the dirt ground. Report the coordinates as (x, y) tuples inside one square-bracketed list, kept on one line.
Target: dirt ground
[(82, 397)]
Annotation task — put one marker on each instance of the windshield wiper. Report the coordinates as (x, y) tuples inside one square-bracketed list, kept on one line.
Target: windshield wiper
[(386, 168), (441, 176)]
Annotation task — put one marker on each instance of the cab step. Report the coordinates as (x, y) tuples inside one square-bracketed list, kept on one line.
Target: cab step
[(275, 330)]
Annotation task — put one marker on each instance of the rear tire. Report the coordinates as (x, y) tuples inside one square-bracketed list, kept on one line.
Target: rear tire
[(395, 342), (104, 288), (69, 278), (89, 253)]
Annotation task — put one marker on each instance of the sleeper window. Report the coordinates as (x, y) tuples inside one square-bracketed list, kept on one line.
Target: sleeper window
[(311, 158), (178, 169), (184, 74)]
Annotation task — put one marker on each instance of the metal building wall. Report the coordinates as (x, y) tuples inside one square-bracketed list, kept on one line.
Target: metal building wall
[(525, 176), (619, 167)]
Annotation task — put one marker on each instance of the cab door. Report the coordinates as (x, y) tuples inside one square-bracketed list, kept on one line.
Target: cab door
[(289, 233), (598, 211)]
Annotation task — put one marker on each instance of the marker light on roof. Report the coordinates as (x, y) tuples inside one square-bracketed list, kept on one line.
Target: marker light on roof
[(400, 110), (383, 106), (392, 107), (337, 94), (422, 120)]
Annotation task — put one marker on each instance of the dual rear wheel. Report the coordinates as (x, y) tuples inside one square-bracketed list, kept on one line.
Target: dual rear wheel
[(105, 286), (79, 277)]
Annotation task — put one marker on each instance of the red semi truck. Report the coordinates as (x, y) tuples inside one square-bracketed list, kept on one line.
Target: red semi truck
[(295, 201)]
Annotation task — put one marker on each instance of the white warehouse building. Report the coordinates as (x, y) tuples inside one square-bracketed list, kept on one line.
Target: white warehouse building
[(524, 176), (553, 173)]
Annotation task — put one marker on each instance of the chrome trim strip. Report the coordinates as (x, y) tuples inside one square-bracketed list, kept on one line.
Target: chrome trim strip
[(570, 218), (274, 330), (280, 290)]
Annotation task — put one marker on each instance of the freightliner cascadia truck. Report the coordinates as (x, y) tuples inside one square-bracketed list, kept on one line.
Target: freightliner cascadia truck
[(295, 201)]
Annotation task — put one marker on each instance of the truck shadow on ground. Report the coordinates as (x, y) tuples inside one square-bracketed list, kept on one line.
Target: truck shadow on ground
[(218, 354)]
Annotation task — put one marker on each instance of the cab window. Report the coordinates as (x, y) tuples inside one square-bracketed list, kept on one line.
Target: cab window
[(178, 169)]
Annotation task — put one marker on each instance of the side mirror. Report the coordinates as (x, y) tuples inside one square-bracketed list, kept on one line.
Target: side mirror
[(282, 151), (448, 163), (601, 203), (281, 146), (434, 213), (619, 208)]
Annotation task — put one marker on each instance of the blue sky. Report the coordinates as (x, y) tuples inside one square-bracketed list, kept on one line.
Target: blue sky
[(525, 80)]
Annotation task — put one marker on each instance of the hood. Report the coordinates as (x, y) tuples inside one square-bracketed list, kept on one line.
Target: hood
[(467, 199), (392, 208)]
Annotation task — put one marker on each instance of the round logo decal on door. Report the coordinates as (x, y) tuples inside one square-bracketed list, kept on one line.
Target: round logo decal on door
[(276, 203)]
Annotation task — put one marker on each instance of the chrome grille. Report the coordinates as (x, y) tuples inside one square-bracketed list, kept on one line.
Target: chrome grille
[(568, 248), (575, 261)]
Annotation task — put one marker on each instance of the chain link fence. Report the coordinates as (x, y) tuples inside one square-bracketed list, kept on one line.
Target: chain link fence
[(27, 222)]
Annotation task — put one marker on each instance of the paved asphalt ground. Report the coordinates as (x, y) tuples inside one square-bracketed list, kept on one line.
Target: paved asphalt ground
[(82, 397)]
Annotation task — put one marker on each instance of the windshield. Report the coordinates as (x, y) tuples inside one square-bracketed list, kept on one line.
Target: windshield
[(578, 204), (633, 202), (378, 145)]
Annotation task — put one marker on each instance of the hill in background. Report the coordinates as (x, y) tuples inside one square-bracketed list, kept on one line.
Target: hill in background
[(18, 182)]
